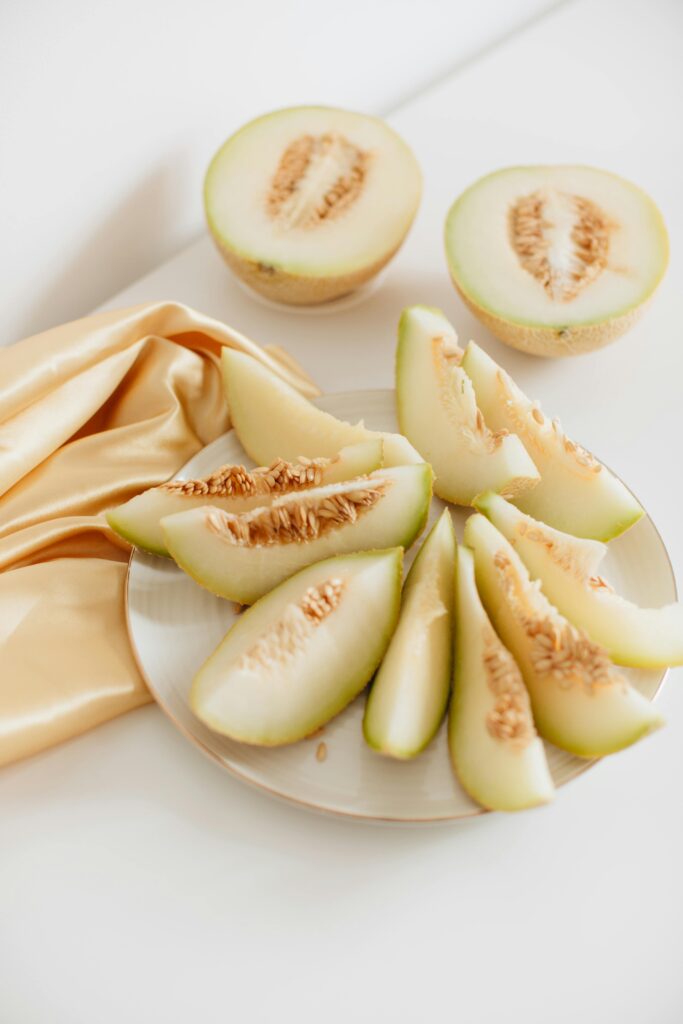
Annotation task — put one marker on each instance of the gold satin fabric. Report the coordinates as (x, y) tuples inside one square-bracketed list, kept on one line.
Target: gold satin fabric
[(91, 413)]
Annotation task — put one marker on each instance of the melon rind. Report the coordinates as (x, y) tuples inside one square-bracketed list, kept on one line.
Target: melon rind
[(501, 774), (291, 694), (409, 695)]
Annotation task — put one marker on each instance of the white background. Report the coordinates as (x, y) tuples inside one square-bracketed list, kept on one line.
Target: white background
[(137, 881)]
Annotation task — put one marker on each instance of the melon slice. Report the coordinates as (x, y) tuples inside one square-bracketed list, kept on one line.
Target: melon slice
[(303, 652), (408, 698), (438, 413), (576, 493), (567, 569), (308, 203), (243, 556), (580, 701), (272, 420), (556, 260), (235, 489), (494, 747)]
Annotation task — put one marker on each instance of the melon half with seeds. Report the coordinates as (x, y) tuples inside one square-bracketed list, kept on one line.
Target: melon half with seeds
[(580, 700), (235, 489), (307, 203), (303, 652), (556, 260), (243, 556)]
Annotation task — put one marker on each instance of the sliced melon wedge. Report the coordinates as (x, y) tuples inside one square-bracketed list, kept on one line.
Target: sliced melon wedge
[(235, 489), (556, 260), (307, 203), (243, 556), (438, 413), (581, 702), (272, 420), (408, 698), (494, 747), (303, 652), (567, 570), (576, 493)]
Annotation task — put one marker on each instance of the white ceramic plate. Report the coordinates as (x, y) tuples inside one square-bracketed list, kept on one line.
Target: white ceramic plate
[(174, 625)]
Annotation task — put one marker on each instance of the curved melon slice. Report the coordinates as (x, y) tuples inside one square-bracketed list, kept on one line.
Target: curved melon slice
[(272, 420), (567, 571), (235, 489), (494, 747), (303, 652), (556, 260), (409, 695), (438, 414), (243, 556), (307, 203), (581, 702), (576, 493)]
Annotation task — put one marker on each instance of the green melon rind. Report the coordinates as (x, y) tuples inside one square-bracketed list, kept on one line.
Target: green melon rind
[(552, 714), (477, 301), (525, 782), (357, 679), (428, 691), (649, 638)]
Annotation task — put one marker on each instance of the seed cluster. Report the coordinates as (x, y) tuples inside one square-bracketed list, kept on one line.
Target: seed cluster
[(294, 521), (462, 409), (317, 178), (531, 235), (560, 553), (288, 636), (510, 718), (558, 649), (236, 481)]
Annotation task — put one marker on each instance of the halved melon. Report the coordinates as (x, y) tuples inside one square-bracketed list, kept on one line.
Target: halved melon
[(408, 698), (306, 204), (243, 556), (576, 493), (494, 747), (581, 702), (556, 260), (272, 420), (303, 652), (567, 571), (438, 413), (235, 489)]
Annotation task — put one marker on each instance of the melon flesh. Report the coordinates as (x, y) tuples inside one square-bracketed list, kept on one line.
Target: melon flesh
[(438, 413), (297, 657), (234, 489), (241, 557), (576, 493), (580, 701), (324, 196), (272, 420), (408, 698), (642, 637), (494, 747), (557, 248)]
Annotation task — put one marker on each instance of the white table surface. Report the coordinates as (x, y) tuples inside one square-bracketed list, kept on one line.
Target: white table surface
[(141, 883)]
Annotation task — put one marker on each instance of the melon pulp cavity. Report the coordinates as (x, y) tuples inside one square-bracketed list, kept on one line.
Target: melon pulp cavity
[(306, 204), (408, 698), (494, 747), (555, 260), (235, 489), (580, 701), (243, 556), (438, 413), (576, 493), (567, 569), (303, 652), (272, 420)]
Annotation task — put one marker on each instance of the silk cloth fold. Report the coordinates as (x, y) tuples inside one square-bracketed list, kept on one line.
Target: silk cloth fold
[(91, 413)]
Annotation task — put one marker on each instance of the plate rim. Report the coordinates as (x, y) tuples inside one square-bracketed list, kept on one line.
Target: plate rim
[(358, 816)]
